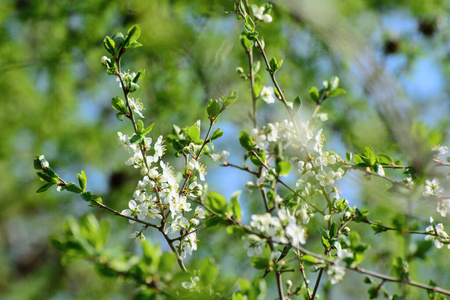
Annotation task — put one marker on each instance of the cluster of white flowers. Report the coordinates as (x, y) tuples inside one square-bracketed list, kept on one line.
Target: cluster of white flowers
[(220, 157), (125, 76), (432, 188), (440, 238), (336, 271), (254, 245), (282, 229), (158, 189), (258, 12), (438, 151)]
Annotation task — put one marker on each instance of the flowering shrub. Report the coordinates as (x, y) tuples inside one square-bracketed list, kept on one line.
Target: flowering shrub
[(177, 203)]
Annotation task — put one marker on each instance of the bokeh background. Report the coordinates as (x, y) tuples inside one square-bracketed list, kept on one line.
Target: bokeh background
[(391, 56)]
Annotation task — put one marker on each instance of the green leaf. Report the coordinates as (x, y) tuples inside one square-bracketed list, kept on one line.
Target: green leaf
[(249, 24), (118, 105), (214, 108), (37, 162), (86, 196), (313, 93), (333, 230), (47, 178), (283, 168), (72, 187), (234, 207), (273, 64), (246, 141), (258, 86), (45, 187), (82, 180), (109, 45), (297, 104), (166, 262), (260, 263), (194, 133), (136, 139), (135, 45), (337, 92), (216, 202), (208, 271), (309, 260), (216, 134), (147, 130), (368, 156), (139, 76), (323, 232), (422, 249), (213, 221), (384, 159), (133, 34), (245, 42), (357, 159), (229, 99), (258, 161), (140, 127)]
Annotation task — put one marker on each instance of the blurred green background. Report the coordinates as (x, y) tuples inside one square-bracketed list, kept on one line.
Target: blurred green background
[(391, 56)]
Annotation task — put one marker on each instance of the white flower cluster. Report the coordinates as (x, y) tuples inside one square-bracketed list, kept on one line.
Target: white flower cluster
[(440, 238), (438, 151), (158, 190), (336, 271), (258, 12), (282, 229)]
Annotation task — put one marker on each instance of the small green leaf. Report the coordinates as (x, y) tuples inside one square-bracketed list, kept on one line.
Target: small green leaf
[(297, 104), (357, 159), (47, 178), (86, 196), (45, 187), (72, 187), (109, 45), (213, 221), (337, 92), (313, 93), (323, 232), (246, 141), (229, 99), (245, 42), (140, 126), (133, 34), (384, 159), (349, 156), (216, 134), (234, 207), (82, 180), (147, 130), (136, 139), (118, 105), (273, 64), (214, 108), (139, 76), (368, 156), (216, 202), (194, 133), (258, 86), (283, 168), (249, 24), (208, 271), (260, 159), (309, 260)]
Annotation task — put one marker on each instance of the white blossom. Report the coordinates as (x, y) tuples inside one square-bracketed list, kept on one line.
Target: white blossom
[(267, 94), (258, 12)]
